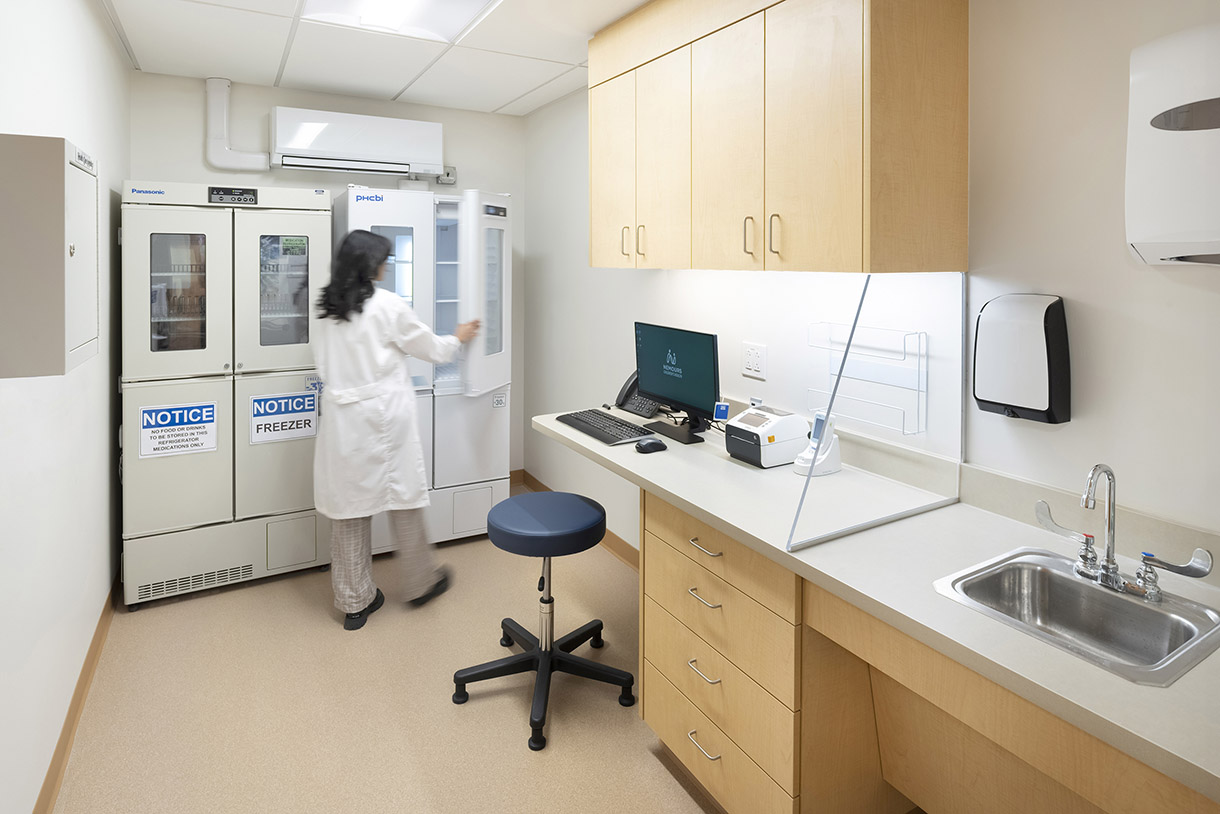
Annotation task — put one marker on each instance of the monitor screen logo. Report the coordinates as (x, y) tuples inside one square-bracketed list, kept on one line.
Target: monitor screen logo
[(671, 365)]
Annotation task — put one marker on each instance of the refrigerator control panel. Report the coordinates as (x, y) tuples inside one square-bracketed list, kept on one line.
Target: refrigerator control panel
[(223, 195)]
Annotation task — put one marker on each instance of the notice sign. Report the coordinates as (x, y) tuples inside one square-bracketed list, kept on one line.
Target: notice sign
[(283, 417), (177, 429)]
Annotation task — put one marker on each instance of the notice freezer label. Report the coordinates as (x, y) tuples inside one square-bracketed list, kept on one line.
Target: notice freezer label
[(283, 417), (177, 429)]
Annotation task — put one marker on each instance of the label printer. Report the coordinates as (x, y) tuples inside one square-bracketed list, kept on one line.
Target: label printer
[(766, 437)]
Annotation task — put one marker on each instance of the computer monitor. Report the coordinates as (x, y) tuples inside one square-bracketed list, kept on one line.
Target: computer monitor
[(678, 368)]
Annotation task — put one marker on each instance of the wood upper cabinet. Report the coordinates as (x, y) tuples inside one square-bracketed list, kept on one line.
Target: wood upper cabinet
[(612, 173), (641, 178), (662, 162), (814, 153), (727, 93), (824, 135)]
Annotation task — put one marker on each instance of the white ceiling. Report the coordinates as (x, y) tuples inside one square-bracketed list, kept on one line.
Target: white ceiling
[(521, 55)]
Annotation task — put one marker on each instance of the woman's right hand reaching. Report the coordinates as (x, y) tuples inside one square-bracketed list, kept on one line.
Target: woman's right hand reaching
[(467, 331)]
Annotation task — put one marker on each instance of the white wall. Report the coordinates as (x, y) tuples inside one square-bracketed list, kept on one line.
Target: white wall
[(579, 344), (167, 144), (61, 74), (1048, 123)]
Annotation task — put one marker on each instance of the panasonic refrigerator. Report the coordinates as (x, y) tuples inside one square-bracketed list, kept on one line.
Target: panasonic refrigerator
[(451, 260), (220, 399)]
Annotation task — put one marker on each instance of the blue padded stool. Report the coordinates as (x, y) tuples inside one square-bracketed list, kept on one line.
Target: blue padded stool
[(545, 524)]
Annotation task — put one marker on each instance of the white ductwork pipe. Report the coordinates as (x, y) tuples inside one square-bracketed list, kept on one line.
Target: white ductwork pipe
[(218, 152)]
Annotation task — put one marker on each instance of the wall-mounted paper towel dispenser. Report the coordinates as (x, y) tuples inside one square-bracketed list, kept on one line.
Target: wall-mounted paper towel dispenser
[(1173, 149), (1021, 363)]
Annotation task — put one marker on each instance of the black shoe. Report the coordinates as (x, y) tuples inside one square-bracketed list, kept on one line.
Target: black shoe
[(355, 621), (442, 585)]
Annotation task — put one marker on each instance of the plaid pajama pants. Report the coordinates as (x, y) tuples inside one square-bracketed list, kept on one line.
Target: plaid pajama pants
[(351, 559)]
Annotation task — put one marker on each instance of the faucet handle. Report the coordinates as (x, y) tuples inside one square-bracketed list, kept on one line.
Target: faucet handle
[(1042, 511), (1200, 564)]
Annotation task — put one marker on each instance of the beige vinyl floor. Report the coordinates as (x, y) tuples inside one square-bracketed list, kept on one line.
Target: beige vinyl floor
[(252, 698)]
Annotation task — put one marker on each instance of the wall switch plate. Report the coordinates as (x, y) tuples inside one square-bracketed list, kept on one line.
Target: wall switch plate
[(754, 360)]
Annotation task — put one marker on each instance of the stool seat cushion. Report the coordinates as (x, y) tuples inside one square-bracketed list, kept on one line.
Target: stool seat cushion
[(546, 524)]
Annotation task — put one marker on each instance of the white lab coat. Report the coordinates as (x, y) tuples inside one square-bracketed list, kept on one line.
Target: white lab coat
[(368, 458)]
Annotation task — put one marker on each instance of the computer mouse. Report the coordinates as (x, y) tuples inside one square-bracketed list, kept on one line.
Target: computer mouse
[(649, 445)]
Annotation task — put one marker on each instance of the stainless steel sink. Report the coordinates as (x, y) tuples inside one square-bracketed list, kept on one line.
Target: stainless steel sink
[(1037, 592)]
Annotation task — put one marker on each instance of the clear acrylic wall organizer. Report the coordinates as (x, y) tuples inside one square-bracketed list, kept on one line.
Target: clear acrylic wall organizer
[(885, 380)]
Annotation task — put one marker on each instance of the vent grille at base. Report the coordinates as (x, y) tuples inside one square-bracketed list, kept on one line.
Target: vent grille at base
[(181, 585)]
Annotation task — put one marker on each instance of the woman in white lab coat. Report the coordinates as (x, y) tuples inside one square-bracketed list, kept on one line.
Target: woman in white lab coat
[(368, 457)]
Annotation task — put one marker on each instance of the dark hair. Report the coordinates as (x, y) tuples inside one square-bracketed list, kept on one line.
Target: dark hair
[(352, 274)]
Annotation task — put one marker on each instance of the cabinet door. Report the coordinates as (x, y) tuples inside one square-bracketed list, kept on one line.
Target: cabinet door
[(663, 162), (612, 173), (80, 265), (727, 147), (814, 135), (281, 262), (274, 428), (177, 291)]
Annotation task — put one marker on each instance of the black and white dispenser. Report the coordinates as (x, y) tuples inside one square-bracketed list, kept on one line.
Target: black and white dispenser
[(1021, 363)]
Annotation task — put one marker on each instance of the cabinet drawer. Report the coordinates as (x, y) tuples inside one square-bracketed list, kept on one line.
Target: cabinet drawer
[(737, 783), (758, 642), (768, 583), (766, 730)]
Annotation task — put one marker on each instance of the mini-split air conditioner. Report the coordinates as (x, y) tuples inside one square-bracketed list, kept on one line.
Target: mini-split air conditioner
[(343, 142)]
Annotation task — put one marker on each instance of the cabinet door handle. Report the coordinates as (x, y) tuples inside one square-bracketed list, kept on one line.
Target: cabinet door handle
[(691, 664), (771, 236), (701, 599), (745, 235), (691, 735), (695, 542), (622, 242), (639, 240)]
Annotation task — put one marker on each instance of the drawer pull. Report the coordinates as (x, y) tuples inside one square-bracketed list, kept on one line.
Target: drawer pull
[(691, 735), (695, 542), (691, 664), (701, 599)]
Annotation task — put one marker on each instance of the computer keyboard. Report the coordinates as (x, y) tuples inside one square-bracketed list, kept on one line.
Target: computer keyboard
[(604, 427)]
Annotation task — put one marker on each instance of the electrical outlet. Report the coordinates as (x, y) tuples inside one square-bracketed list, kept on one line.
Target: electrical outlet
[(754, 360)]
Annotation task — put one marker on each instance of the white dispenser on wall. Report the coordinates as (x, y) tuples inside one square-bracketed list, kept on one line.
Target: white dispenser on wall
[(1022, 363), (1173, 149)]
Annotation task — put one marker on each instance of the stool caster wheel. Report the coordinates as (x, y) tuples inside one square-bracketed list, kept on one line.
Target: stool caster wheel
[(505, 641), (597, 642), (626, 699), (537, 741), (460, 696)]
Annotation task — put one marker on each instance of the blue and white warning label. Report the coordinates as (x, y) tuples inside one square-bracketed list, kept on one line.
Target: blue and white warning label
[(177, 429), (283, 417)]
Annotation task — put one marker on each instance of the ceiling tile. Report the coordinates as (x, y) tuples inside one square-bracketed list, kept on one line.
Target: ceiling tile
[(479, 80), (280, 8), (546, 29), (575, 79), (336, 59), (192, 39)]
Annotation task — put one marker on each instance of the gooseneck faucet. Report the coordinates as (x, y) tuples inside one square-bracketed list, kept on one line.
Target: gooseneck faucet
[(1108, 570)]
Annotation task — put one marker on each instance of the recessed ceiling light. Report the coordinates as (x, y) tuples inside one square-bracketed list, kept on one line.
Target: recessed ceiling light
[(439, 20)]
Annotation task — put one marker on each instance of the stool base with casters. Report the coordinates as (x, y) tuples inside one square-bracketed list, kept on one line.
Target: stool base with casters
[(542, 524), (545, 657)]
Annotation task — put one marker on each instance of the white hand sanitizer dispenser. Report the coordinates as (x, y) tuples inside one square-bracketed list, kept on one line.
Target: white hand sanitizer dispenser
[(825, 461)]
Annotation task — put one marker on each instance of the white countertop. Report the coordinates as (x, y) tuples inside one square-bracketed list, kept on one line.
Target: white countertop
[(888, 570)]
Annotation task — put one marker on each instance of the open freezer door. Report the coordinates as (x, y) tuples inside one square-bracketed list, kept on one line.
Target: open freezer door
[(485, 282)]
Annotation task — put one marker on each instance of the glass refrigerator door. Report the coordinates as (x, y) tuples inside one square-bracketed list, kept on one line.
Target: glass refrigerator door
[(176, 262), (486, 284), (281, 263), (401, 278)]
